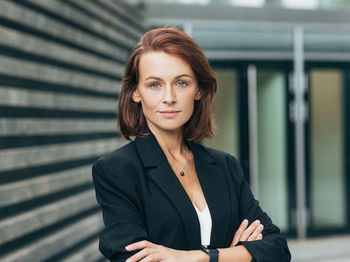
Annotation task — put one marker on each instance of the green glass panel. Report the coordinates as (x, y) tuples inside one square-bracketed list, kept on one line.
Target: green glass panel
[(272, 171), (326, 141), (225, 113)]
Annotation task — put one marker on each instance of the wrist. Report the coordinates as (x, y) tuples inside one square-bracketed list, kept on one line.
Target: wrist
[(198, 256)]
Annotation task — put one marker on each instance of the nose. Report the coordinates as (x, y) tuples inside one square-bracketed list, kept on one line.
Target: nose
[(169, 96)]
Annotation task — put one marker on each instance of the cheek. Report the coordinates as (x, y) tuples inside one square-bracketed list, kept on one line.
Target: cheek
[(189, 104), (150, 101)]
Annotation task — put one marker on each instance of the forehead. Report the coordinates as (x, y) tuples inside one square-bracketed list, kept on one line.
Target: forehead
[(162, 64)]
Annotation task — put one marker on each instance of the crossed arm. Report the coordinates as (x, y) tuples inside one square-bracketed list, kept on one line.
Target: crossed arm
[(113, 193), (152, 253)]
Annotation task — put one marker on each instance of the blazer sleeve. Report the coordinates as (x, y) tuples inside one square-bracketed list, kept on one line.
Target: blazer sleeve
[(273, 246), (117, 196)]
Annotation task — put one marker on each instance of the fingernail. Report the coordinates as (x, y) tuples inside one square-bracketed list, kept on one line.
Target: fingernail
[(245, 221), (261, 227), (127, 248), (257, 221)]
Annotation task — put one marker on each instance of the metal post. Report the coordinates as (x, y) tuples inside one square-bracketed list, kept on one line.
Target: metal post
[(299, 117), (253, 131)]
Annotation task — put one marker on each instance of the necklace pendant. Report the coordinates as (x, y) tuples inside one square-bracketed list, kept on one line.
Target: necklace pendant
[(182, 173)]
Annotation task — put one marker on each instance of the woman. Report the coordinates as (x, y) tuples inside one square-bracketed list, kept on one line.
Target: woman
[(164, 196)]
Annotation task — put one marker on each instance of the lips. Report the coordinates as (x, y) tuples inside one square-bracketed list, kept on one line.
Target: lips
[(169, 113)]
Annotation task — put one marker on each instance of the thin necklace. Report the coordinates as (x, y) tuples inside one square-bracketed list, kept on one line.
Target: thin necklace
[(182, 173)]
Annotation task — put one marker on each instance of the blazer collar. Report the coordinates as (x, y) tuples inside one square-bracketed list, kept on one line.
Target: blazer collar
[(213, 183), (152, 154)]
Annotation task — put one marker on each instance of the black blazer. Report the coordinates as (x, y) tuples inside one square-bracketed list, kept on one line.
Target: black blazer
[(142, 199)]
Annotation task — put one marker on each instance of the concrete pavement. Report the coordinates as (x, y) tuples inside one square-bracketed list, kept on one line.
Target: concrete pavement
[(325, 249)]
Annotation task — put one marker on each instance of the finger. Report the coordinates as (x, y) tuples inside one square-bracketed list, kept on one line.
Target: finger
[(260, 228), (239, 232), (241, 228), (151, 258), (139, 255), (246, 234), (138, 245), (260, 237), (256, 232)]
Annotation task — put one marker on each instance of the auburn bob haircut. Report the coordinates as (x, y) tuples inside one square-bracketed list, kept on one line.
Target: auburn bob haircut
[(173, 41)]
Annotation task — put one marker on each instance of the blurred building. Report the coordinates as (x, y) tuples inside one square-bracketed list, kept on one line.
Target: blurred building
[(282, 109)]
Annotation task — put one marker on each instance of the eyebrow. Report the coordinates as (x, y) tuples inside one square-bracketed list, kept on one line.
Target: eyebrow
[(154, 77)]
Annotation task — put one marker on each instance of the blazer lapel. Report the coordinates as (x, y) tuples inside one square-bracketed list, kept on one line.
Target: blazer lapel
[(216, 192), (213, 184)]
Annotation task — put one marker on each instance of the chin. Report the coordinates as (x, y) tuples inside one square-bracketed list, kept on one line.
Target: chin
[(169, 128), (172, 129), (168, 125)]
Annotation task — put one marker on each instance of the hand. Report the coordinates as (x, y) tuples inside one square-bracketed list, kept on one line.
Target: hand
[(153, 253), (253, 232)]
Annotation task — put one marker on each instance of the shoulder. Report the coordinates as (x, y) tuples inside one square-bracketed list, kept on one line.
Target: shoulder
[(123, 153), (117, 172), (219, 156), (121, 160), (226, 161)]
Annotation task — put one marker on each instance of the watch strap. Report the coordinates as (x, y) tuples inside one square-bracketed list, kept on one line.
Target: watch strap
[(212, 252)]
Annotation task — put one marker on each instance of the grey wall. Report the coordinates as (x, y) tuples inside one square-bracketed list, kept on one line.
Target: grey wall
[(61, 63)]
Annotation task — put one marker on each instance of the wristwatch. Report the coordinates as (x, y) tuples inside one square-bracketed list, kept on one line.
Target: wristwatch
[(212, 252)]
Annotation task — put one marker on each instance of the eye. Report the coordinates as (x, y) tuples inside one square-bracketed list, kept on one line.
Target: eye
[(182, 83), (154, 85)]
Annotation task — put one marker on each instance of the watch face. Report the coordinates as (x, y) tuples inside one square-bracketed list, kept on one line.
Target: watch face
[(205, 248)]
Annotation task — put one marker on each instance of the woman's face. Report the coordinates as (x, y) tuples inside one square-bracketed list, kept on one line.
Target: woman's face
[(167, 90)]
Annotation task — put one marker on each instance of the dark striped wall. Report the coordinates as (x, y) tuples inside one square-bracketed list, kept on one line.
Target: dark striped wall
[(61, 63)]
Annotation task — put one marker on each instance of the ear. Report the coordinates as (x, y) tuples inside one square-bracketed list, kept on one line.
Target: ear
[(198, 95), (136, 96)]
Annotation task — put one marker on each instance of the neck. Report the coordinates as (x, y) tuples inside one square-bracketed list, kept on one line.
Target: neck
[(171, 142)]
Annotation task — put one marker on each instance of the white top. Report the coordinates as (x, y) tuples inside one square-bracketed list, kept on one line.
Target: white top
[(205, 223)]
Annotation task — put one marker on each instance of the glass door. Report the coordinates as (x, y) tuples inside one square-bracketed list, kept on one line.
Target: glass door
[(327, 188), (268, 101), (272, 144)]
